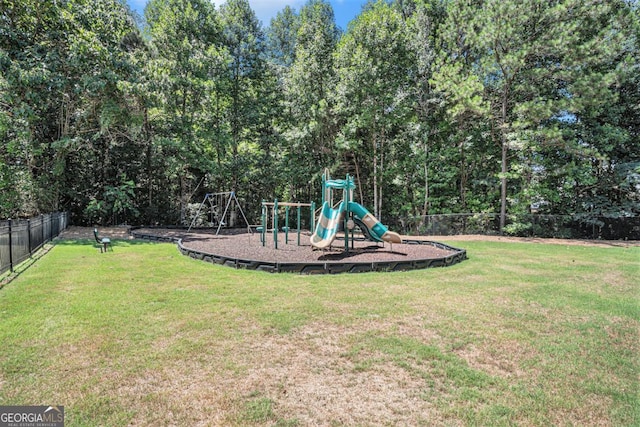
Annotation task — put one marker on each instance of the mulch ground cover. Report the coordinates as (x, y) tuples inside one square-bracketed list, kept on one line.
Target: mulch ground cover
[(244, 245)]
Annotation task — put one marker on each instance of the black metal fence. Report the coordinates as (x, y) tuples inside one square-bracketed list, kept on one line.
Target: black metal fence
[(526, 225), (20, 238)]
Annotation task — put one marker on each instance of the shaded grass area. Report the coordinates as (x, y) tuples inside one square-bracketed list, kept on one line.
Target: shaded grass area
[(521, 333)]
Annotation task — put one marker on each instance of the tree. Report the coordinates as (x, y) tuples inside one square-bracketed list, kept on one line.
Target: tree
[(423, 20), (188, 59), (32, 65), (246, 70), (64, 114), (308, 85), (522, 67), (603, 182), (372, 94), (282, 37)]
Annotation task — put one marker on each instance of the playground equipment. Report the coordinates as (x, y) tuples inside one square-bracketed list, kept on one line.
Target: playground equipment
[(214, 202), (349, 212), (275, 206)]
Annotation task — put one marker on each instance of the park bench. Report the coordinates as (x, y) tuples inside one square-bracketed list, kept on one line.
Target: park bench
[(104, 242)]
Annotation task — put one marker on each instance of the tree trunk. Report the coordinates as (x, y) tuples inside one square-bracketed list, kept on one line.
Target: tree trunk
[(355, 161), (504, 167), (503, 184), (381, 174), (463, 178), (425, 206), (183, 192), (375, 175), (149, 162)]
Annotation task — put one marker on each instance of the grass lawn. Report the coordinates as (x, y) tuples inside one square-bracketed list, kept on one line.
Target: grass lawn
[(519, 334)]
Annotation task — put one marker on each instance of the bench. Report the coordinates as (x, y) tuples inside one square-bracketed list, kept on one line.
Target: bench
[(104, 242)]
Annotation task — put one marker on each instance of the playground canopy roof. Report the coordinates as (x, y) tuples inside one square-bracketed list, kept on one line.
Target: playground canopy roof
[(341, 184)]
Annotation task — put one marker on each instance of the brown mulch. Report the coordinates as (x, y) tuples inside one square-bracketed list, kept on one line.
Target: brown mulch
[(242, 245)]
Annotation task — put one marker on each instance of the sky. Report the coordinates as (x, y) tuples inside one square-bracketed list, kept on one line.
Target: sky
[(345, 10)]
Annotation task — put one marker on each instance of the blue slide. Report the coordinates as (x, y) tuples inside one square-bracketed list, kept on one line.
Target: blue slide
[(374, 228)]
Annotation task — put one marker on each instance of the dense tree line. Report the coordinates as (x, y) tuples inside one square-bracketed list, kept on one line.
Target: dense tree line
[(434, 106)]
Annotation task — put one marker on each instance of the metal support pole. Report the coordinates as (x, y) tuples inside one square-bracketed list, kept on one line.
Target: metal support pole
[(263, 221), (225, 212), (346, 215), (298, 225), (275, 223), (193, 221), (323, 186), (242, 212), (286, 224)]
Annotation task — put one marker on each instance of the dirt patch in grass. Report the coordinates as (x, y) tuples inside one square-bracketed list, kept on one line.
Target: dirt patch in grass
[(498, 359), (307, 377), (311, 378), (75, 232), (185, 393)]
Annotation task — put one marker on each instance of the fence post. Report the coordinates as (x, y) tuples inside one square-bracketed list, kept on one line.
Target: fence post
[(10, 248), (29, 236), (313, 217), (49, 227)]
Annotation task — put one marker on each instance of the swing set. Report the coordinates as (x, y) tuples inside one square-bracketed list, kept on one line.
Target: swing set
[(213, 203)]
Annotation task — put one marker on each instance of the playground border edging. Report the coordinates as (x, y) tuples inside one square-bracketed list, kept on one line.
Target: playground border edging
[(326, 267)]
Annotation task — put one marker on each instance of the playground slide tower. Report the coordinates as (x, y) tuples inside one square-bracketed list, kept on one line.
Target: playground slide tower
[(330, 218)]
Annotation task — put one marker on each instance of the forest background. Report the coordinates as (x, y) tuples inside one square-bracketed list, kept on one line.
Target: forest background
[(433, 106)]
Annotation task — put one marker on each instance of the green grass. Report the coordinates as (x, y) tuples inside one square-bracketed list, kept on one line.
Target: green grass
[(519, 334)]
